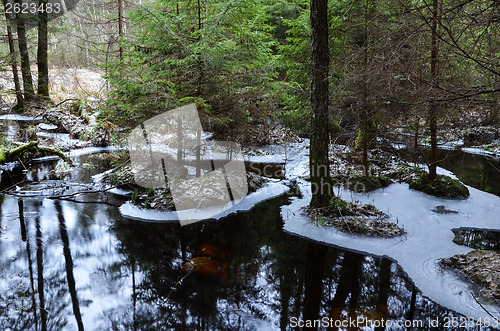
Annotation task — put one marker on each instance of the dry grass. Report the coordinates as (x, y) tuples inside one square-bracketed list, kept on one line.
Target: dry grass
[(64, 83)]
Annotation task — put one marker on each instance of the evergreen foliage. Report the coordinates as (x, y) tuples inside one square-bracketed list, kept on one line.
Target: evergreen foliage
[(215, 53)]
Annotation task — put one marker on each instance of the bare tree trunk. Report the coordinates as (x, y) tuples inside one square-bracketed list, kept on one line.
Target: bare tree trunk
[(321, 182), (29, 91), (433, 108), (366, 111), (42, 56), (12, 50), (120, 27)]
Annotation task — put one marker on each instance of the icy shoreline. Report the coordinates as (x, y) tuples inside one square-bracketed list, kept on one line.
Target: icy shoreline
[(428, 239)]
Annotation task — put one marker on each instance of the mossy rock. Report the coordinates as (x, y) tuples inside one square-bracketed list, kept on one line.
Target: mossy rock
[(362, 184), (442, 187)]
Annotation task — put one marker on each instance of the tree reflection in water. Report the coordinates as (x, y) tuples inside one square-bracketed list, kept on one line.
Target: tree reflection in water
[(98, 271)]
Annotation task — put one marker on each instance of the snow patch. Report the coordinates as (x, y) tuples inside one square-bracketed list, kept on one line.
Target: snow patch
[(270, 191)]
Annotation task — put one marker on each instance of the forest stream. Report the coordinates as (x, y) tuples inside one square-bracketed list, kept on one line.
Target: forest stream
[(249, 165), (83, 265)]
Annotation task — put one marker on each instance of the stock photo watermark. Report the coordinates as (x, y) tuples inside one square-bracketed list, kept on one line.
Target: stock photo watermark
[(205, 178), (28, 11)]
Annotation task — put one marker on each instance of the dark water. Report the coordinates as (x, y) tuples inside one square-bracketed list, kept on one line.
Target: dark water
[(478, 239), (84, 266), (481, 172)]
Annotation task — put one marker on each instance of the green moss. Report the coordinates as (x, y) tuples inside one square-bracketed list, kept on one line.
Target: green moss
[(123, 177), (426, 140), (339, 204), (442, 186), (362, 184), (370, 207), (406, 173), (492, 147), (371, 134)]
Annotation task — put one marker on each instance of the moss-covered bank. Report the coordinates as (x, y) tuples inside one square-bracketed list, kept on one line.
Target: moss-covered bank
[(354, 219), (442, 186)]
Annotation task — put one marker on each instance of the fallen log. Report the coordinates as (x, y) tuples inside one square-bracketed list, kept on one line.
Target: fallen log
[(29, 151), (76, 126)]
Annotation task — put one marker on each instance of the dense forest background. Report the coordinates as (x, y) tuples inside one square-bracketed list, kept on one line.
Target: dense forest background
[(421, 65)]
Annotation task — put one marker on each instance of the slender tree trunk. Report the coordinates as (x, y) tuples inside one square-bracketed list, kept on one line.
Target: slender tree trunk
[(321, 182), (433, 108), (120, 27), (366, 111), (29, 91), (12, 50), (199, 15), (364, 140), (42, 56), (416, 137)]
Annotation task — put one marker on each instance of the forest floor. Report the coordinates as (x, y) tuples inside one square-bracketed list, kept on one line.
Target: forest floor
[(481, 267)]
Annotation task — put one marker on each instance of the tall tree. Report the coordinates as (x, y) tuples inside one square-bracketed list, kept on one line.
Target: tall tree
[(42, 55), (120, 28), (29, 91), (321, 182), (12, 50), (434, 106), (366, 121)]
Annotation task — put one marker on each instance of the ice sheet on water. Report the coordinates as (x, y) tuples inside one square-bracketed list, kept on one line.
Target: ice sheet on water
[(479, 151), (47, 127), (428, 239), (94, 150), (17, 117), (270, 191)]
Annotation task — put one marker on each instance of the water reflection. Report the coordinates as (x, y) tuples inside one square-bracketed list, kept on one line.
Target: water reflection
[(39, 264), (95, 270), (478, 239), (98, 271), (478, 171), (69, 266)]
